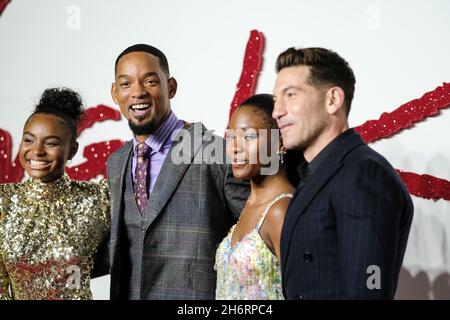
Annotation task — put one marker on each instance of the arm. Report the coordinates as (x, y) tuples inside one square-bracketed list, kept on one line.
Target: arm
[(271, 228), (101, 260), (4, 282), (4, 278), (236, 192), (368, 202)]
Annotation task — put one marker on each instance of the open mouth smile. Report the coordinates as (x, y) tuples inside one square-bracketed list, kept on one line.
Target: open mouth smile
[(38, 164), (139, 110)]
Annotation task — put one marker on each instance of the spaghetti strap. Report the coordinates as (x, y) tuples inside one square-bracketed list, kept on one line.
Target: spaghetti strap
[(281, 196)]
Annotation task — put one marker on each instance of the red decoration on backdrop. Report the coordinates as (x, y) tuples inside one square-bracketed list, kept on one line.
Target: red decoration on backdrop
[(9, 172), (250, 70), (97, 114), (96, 155), (3, 4), (426, 186), (406, 115)]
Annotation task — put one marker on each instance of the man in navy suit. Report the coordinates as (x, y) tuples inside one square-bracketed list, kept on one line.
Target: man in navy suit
[(346, 229)]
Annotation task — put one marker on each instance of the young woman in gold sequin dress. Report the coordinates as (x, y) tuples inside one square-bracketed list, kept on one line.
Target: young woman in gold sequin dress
[(247, 260), (50, 226)]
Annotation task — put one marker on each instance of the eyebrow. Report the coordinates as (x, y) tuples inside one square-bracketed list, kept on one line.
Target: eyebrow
[(290, 87), (46, 138), (248, 127), (146, 75), (243, 128)]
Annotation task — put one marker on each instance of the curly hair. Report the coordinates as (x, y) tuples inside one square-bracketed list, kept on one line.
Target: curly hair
[(64, 103)]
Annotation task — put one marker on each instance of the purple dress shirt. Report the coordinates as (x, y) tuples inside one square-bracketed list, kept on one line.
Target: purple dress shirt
[(160, 143)]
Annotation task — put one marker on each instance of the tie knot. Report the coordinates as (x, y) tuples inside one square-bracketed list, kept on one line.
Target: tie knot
[(142, 150)]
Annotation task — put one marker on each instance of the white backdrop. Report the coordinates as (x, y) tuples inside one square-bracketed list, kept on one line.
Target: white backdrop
[(398, 50)]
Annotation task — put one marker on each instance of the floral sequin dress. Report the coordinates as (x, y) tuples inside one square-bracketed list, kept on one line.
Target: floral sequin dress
[(49, 234), (249, 270)]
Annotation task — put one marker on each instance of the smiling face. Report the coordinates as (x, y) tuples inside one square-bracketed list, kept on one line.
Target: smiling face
[(143, 92), (244, 141), (299, 108), (46, 146)]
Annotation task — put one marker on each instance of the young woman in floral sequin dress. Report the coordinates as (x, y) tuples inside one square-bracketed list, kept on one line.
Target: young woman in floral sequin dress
[(50, 226), (247, 260)]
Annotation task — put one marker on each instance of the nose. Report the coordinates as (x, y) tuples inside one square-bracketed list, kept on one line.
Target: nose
[(238, 143), (139, 91), (279, 110), (38, 149), (233, 146)]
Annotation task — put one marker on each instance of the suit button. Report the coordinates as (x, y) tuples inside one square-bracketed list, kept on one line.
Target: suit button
[(153, 244), (307, 256), (298, 297)]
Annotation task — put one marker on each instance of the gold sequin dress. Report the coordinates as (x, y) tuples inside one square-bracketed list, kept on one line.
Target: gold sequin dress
[(49, 234)]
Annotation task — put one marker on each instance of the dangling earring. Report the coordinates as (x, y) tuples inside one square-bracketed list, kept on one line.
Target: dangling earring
[(281, 152)]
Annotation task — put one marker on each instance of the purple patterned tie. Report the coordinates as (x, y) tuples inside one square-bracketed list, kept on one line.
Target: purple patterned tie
[(140, 175)]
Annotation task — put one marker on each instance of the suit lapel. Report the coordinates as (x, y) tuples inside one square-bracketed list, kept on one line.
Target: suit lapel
[(172, 173), (303, 198), (117, 184), (116, 170), (312, 187)]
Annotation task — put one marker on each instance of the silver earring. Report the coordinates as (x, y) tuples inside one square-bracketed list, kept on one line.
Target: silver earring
[(281, 152)]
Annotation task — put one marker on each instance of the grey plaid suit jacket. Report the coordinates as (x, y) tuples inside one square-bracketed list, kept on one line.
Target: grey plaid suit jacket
[(190, 210)]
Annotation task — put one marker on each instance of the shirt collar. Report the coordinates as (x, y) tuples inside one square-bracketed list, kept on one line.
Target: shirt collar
[(315, 163), (162, 135)]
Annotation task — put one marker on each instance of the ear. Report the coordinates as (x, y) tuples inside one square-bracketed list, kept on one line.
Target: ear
[(114, 93), (335, 100), (172, 85), (73, 150)]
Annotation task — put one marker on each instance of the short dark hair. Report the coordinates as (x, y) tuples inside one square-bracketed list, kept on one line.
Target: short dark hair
[(263, 102), (149, 49), (326, 68), (63, 103)]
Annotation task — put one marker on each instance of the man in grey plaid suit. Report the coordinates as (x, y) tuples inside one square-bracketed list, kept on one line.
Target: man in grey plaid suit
[(165, 248)]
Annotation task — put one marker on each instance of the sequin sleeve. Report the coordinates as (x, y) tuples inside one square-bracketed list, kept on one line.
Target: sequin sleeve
[(4, 280), (101, 259), (104, 203)]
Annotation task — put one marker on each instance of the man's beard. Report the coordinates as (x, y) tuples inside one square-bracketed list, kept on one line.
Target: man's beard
[(314, 133), (142, 129)]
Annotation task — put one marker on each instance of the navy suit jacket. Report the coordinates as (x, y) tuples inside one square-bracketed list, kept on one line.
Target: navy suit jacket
[(346, 229)]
